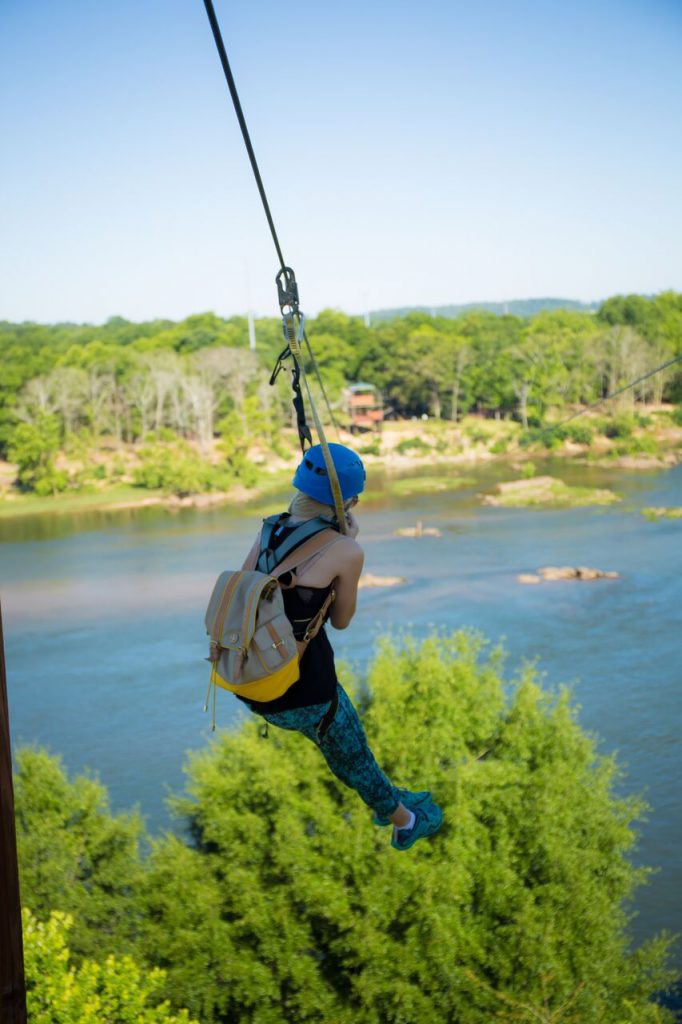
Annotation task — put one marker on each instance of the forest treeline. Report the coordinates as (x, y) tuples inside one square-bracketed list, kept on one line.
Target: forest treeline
[(276, 899), (197, 381)]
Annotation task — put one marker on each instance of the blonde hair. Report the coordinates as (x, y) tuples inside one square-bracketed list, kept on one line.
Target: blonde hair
[(304, 507)]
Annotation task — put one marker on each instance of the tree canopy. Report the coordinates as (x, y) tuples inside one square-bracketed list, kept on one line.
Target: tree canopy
[(123, 380), (282, 901)]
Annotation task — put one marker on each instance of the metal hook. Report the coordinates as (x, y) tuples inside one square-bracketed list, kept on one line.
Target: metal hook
[(287, 290)]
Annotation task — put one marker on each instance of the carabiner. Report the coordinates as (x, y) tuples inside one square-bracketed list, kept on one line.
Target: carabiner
[(287, 290)]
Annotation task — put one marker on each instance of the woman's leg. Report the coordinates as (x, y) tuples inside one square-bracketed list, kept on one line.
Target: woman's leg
[(347, 753)]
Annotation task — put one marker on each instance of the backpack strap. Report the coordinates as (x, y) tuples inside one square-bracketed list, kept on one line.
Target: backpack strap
[(221, 615), (266, 532), (317, 622), (322, 539)]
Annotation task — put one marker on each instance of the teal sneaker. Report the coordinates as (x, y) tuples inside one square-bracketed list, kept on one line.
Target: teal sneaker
[(428, 818), (409, 800)]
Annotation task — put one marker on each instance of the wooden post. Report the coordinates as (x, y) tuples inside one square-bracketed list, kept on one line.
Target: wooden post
[(12, 980)]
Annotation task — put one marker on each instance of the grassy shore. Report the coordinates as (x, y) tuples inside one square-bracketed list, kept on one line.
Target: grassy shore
[(117, 496)]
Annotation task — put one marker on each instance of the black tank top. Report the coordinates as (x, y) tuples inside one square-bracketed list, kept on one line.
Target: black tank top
[(317, 681)]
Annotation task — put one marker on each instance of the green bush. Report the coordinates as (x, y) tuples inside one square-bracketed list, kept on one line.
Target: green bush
[(677, 415), (500, 446), (580, 433), (619, 426), (413, 444), (115, 991), (373, 448), (172, 469), (52, 481), (542, 437), (177, 469), (477, 436), (282, 449), (90, 474), (644, 444)]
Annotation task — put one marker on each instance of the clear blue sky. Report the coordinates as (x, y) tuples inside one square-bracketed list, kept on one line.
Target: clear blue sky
[(414, 153)]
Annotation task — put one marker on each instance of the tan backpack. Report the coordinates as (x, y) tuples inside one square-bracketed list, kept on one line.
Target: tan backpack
[(253, 651)]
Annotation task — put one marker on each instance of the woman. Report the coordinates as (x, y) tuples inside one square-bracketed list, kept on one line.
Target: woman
[(317, 705)]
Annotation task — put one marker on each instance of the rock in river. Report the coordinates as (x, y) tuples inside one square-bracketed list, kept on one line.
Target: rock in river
[(551, 573), (369, 580), (418, 531)]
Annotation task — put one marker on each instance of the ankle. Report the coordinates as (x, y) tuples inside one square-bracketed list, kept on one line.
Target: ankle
[(408, 824)]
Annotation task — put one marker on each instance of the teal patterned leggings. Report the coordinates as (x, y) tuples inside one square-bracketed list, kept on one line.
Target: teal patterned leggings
[(345, 749)]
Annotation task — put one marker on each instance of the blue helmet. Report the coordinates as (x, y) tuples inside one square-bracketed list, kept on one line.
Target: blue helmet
[(312, 478)]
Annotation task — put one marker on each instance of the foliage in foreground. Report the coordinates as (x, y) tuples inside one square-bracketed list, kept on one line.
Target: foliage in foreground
[(75, 856), (287, 904), (116, 991)]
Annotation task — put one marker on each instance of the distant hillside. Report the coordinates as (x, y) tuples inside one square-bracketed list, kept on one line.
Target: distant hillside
[(517, 307)]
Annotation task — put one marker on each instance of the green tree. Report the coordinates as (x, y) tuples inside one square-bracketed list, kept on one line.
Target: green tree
[(488, 381), (640, 313), (74, 856), (115, 991), (33, 446), (548, 362), (289, 905)]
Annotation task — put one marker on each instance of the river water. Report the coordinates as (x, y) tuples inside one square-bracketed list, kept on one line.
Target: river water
[(103, 616)]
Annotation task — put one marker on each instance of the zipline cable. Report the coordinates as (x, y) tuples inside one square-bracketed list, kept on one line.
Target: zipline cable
[(287, 289), (614, 394), (215, 28)]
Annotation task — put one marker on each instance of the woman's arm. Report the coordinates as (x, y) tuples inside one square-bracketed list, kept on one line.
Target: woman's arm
[(346, 583)]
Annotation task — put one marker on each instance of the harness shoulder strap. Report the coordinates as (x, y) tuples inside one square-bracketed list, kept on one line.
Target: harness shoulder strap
[(269, 526), (268, 559)]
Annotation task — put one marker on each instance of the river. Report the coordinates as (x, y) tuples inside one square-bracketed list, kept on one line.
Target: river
[(104, 633)]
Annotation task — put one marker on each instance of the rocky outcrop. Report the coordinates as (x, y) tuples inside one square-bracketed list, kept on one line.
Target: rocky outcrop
[(546, 491)]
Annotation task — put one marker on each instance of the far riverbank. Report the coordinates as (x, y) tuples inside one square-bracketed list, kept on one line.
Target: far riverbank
[(438, 453)]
